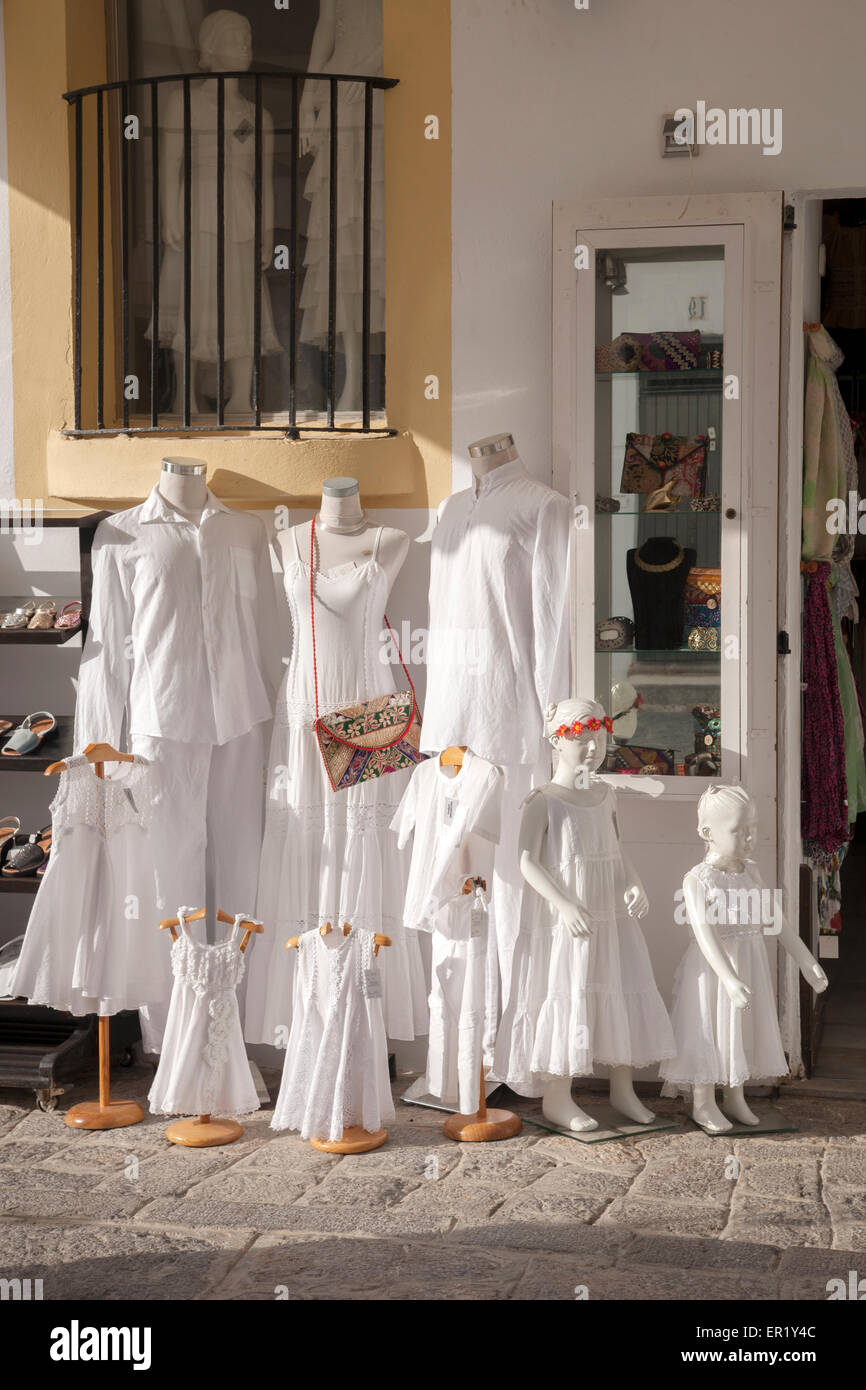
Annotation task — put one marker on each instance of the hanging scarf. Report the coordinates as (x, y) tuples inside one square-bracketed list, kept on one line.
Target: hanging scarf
[(824, 812)]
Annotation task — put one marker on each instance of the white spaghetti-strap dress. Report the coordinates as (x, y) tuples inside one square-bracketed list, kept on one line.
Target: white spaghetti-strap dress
[(579, 1002), (336, 1069), (718, 1044), (329, 856), (203, 1067), (91, 944)]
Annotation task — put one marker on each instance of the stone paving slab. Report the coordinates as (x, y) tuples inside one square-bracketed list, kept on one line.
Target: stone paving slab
[(552, 1277), (105, 1262), (777, 1221)]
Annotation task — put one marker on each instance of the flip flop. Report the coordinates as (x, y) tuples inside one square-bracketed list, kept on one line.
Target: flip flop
[(30, 734), (24, 858), (70, 615), (8, 831), (18, 619), (43, 618)]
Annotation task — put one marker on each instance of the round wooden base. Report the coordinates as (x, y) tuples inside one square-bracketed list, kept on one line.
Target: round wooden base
[(89, 1114), (469, 1129), (197, 1135), (354, 1141)]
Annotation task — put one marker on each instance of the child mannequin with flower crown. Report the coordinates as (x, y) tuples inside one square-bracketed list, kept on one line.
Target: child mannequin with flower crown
[(724, 1012), (583, 991)]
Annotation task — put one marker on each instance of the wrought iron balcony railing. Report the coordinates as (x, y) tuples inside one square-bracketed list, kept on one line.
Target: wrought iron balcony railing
[(123, 373)]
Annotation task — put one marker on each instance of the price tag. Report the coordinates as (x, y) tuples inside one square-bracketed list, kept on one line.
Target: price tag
[(450, 809), (372, 983)]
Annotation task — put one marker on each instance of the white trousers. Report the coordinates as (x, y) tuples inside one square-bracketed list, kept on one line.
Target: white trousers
[(207, 834), (506, 893), (457, 1009)]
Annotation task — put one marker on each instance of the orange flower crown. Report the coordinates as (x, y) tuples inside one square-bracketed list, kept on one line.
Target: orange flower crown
[(577, 728)]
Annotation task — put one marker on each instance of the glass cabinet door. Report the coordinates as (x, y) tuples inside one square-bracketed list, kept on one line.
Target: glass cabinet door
[(664, 464)]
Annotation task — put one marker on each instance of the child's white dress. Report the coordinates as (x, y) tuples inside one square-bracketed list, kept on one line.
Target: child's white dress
[(336, 1069), (203, 1067), (91, 944), (718, 1044), (577, 1002)]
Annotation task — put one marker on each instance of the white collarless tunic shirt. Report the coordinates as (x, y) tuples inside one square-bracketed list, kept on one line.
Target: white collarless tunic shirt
[(183, 636), (498, 648)]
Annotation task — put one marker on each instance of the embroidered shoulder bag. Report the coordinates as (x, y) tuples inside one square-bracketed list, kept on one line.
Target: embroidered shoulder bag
[(370, 738)]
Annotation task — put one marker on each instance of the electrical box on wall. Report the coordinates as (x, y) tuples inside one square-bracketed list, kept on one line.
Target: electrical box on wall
[(672, 147)]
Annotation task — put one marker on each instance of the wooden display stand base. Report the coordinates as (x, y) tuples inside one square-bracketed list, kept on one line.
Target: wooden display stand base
[(475, 1129), (91, 1114), (203, 1132), (353, 1141), (485, 1125)]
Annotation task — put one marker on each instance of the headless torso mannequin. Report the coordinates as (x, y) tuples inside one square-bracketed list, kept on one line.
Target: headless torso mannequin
[(344, 533), (183, 485), (492, 452)]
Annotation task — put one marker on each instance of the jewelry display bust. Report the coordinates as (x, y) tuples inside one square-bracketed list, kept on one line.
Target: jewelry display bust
[(657, 573)]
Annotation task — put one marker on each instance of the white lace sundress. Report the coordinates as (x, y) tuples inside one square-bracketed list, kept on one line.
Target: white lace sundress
[(577, 1002), (91, 944), (330, 856), (203, 1067), (718, 1044), (336, 1069)]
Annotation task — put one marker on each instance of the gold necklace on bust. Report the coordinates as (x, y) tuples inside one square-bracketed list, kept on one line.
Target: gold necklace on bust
[(660, 569)]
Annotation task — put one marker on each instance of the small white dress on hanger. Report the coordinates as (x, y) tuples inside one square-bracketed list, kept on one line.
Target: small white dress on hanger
[(203, 1067), (577, 1002), (718, 1044), (335, 1074), (90, 944)]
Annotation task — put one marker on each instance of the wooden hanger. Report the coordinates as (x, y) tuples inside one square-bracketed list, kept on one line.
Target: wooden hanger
[(97, 754), (452, 757), (379, 939), (250, 928)]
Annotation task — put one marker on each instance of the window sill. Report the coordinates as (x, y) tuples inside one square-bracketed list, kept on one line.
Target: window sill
[(247, 468)]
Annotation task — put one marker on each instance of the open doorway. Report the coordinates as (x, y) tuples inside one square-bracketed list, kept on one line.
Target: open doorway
[(834, 1024)]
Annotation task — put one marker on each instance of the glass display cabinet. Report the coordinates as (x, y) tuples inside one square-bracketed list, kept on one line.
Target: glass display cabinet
[(653, 321)]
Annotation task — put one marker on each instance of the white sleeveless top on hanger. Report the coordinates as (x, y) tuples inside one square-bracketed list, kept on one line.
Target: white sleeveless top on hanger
[(203, 1067), (91, 944)]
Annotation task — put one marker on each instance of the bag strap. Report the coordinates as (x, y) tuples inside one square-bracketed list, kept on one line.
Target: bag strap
[(313, 621)]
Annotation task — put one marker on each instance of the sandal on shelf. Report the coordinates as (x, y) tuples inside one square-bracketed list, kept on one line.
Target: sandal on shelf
[(70, 615), (9, 828), (44, 841), (5, 725), (31, 732), (43, 618), (24, 858), (17, 620)]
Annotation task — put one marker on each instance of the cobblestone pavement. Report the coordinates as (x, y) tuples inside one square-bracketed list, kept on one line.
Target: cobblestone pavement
[(125, 1214)]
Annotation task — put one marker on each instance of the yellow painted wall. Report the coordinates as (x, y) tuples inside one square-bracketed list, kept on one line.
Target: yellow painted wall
[(60, 44)]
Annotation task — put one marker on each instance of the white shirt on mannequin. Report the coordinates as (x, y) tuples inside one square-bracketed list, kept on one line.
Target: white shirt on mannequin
[(183, 634), (498, 650)]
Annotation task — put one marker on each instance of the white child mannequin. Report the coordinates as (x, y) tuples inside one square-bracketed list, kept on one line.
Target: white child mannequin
[(583, 990), (727, 1035)]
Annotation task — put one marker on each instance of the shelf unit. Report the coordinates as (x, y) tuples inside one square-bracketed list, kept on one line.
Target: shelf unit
[(42, 1047)]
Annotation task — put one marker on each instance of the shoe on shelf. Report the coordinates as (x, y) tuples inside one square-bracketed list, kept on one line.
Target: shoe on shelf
[(17, 620), (70, 615), (30, 734), (43, 618), (25, 857), (9, 828)]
